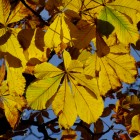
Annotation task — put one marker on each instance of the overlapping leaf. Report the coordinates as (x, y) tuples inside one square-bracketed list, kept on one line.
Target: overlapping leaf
[(119, 14), (32, 41), (77, 94), (58, 34), (8, 36), (11, 104), (111, 65)]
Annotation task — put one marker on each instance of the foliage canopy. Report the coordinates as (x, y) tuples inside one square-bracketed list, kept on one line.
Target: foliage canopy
[(93, 39)]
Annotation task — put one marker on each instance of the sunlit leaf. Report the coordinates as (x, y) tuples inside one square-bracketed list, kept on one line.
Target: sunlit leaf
[(40, 91), (64, 105), (15, 80), (112, 68), (86, 104), (70, 98), (33, 44), (57, 33)]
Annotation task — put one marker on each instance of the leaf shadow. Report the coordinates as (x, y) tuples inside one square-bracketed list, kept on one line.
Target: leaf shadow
[(104, 27)]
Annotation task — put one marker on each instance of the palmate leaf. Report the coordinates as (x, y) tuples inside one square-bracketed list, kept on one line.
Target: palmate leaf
[(126, 32), (65, 96), (111, 67), (121, 15), (11, 104)]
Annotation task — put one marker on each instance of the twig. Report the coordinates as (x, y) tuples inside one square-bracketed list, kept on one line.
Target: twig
[(94, 134), (34, 12)]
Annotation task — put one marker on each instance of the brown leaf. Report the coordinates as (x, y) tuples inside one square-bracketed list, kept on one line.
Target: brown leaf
[(98, 128), (40, 119), (45, 114), (106, 112)]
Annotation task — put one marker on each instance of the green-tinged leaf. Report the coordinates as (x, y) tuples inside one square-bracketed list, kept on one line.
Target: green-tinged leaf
[(40, 91), (126, 32), (129, 8), (45, 70), (137, 137), (64, 105)]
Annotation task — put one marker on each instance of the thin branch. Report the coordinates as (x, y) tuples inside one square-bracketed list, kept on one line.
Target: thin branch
[(94, 134), (34, 12)]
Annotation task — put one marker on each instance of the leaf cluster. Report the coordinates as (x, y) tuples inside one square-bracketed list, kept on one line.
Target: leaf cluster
[(93, 40)]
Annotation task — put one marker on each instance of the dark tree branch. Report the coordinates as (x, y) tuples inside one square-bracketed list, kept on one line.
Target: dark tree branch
[(41, 127), (90, 132), (34, 12), (40, 18)]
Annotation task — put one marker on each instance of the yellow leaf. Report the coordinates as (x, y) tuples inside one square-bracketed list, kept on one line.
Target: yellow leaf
[(137, 137), (8, 36), (64, 105), (15, 80), (129, 8), (112, 69), (33, 44), (87, 104), (40, 91), (2, 72), (45, 70), (13, 49), (57, 33), (135, 126), (67, 59), (90, 84), (11, 104), (50, 84)]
